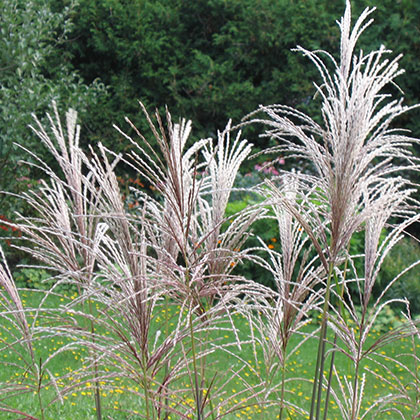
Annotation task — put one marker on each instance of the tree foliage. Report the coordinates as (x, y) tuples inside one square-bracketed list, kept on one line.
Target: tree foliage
[(211, 60), (207, 60), (34, 70)]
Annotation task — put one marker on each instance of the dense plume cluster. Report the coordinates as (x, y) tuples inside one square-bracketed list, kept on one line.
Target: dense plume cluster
[(174, 259)]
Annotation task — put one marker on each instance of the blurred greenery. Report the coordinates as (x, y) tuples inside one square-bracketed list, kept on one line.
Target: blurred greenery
[(211, 60), (34, 70), (404, 254)]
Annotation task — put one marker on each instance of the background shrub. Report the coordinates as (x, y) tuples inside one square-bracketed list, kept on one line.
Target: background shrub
[(405, 253)]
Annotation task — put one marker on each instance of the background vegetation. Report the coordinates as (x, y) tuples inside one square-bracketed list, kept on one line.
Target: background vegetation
[(211, 60)]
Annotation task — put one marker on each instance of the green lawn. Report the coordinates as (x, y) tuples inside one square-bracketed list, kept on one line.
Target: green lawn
[(122, 399)]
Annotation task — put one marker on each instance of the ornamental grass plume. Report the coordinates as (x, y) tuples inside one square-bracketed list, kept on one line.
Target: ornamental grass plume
[(188, 250), (66, 231), (356, 182), (196, 246), (63, 230), (170, 261)]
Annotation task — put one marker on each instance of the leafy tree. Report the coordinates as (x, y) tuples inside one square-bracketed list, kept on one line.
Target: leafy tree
[(207, 60), (34, 70)]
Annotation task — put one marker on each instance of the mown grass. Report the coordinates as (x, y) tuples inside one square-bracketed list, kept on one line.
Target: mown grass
[(122, 399)]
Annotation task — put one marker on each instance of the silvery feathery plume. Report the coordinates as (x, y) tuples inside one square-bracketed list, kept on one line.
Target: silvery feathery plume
[(223, 159), (65, 232), (66, 223), (171, 171), (185, 223), (280, 313), (11, 301), (357, 160), (354, 151)]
